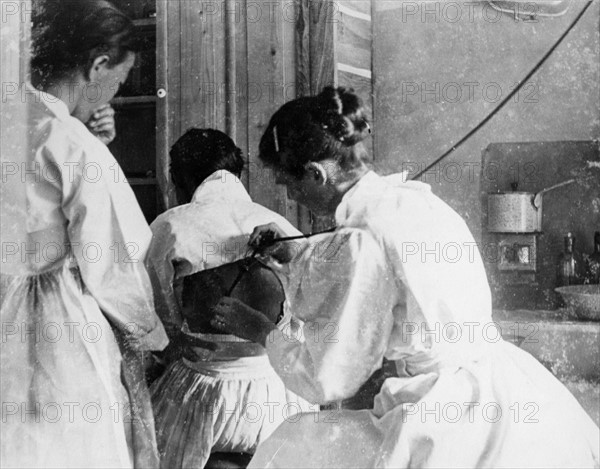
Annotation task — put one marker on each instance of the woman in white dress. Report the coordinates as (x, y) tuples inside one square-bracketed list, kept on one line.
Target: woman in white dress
[(212, 406), (400, 278), (74, 291)]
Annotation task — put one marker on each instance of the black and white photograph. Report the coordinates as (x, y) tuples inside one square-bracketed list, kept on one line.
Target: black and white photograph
[(300, 234)]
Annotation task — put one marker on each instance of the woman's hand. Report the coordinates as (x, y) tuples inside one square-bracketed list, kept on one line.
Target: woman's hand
[(102, 124), (263, 238), (235, 317)]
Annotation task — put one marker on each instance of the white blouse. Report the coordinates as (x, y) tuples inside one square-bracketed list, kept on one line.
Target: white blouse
[(210, 231), (386, 283)]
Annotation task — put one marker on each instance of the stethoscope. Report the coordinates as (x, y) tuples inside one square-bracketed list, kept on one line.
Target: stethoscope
[(267, 240)]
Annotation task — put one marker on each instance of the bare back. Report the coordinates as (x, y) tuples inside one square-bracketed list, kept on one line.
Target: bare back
[(253, 283)]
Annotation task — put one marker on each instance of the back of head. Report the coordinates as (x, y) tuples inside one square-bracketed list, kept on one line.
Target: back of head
[(331, 125), (201, 152), (68, 35)]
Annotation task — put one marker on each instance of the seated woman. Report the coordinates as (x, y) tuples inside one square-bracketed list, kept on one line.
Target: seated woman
[(229, 399), (400, 278)]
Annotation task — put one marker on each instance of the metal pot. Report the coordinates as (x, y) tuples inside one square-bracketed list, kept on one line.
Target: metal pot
[(517, 212)]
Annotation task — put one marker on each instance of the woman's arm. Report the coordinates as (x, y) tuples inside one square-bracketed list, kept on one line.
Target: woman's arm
[(345, 294), (236, 317), (159, 262), (109, 238)]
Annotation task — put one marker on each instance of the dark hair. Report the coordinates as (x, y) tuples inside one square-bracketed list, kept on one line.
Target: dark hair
[(330, 125), (201, 152), (68, 35)]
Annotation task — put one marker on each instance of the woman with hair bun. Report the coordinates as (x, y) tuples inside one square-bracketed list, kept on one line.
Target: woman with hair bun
[(75, 294), (400, 278)]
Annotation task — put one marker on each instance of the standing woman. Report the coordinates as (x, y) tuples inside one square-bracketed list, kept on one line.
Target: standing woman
[(74, 291), (400, 278)]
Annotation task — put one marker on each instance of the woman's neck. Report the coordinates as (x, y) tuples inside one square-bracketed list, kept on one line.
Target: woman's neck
[(340, 188), (70, 92)]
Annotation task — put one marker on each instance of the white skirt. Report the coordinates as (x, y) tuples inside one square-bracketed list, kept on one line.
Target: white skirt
[(63, 403), (204, 407), (504, 410)]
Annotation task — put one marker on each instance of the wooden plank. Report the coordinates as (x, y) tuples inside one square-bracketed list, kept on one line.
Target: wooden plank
[(167, 107), (289, 85), (266, 57), (214, 69), (26, 7), (128, 100), (142, 181), (322, 45), (242, 93), (14, 35), (229, 21), (202, 64), (15, 38), (145, 22), (194, 27), (302, 48), (373, 140), (323, 71), (302, 55)]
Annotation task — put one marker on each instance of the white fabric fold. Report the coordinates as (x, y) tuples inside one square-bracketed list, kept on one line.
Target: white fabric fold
[(76, 272), (210, 231), (402, 278), (193, 400)]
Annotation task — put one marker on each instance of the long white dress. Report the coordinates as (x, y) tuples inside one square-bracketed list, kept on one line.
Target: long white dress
[(228, 401), (74, 240), (402, 278)]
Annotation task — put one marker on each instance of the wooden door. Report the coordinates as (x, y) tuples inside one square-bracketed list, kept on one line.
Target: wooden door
[(227, 65), (231, 64)]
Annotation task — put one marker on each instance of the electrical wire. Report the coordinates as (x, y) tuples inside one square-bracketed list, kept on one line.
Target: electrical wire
[(510, 95)]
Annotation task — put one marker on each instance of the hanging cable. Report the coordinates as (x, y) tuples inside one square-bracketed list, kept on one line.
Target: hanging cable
[(510, 95)]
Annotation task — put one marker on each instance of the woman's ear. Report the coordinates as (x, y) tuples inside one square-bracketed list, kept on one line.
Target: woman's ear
[(317, 172), (99, 67)]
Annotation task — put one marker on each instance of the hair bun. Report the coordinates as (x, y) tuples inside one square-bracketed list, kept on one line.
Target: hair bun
[(342, 114)]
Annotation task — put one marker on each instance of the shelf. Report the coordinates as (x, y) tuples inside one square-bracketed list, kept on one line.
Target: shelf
[(145, 22), (128, 100), (142, 181), (136, 104)]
